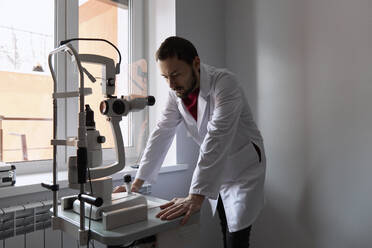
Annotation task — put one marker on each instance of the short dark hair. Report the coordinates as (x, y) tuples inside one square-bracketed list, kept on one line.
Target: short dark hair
[(177, 46)]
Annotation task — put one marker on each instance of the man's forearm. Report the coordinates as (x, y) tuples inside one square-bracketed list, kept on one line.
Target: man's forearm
[(137, 184)]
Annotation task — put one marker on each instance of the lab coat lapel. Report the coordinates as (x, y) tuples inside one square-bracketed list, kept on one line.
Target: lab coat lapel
[(203, 97), (202, 105)]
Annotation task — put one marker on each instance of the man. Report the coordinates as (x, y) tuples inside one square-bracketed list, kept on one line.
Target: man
[(230, 171)]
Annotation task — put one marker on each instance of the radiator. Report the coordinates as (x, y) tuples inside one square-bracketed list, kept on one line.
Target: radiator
[(22, 219)]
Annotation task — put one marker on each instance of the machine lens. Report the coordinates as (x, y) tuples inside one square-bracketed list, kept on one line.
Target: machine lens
[(103, 107)]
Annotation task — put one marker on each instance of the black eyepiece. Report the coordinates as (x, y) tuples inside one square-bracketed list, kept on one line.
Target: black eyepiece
[(150, 100), (127, 178)]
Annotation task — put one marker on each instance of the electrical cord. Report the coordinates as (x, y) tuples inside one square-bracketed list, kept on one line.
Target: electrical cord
[(139, 158), (44, 237), (90, 211), (61, 239), (97, 39)]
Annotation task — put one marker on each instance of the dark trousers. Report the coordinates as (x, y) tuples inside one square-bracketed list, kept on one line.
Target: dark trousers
[(239, 239)]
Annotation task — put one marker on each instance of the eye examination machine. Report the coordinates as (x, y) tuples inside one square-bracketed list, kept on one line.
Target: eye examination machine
[(114, 220)]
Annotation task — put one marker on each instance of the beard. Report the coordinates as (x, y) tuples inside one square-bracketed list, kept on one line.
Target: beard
[(184, 93)]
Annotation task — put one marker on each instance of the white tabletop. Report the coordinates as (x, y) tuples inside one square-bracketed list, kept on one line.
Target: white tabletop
[(128, 233)]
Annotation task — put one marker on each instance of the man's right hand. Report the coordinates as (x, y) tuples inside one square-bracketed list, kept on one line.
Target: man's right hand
[(136, 185)]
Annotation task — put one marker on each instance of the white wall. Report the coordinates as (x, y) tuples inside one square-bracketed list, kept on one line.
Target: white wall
[(314, 84), (339, 107), (279, 38), (241, 47), (202, 22)]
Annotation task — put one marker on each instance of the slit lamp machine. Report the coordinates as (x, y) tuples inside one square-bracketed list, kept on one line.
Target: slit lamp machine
[(86, 171)]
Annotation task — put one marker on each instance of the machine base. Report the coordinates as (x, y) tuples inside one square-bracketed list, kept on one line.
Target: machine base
[(123, 209)]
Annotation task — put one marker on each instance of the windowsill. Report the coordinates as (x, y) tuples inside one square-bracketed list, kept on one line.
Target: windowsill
[(28, 184)]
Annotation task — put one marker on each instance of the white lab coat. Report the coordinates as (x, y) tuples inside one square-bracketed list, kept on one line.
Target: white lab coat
[(228, 163)]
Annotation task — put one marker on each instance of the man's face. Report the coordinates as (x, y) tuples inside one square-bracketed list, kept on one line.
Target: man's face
[(181, 77)]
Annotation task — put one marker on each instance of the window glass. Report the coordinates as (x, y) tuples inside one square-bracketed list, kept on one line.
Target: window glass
[(111, 21), (25, 82), (101, 19)]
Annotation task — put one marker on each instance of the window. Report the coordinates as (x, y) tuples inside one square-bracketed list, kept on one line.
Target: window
[(26, 84), (25, 81), (111, 21)]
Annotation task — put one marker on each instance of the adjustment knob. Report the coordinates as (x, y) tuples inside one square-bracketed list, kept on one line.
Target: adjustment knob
[(111, 82), (101, 139), (150, 100), (127, 178), (118, 107)]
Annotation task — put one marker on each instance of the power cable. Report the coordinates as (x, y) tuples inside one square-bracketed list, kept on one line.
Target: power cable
[(97, 39)]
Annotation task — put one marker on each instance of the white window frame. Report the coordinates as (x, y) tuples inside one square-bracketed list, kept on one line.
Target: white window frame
[(65, 27), (137, 35)]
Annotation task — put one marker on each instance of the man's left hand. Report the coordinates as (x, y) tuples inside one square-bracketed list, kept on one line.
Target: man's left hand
[(181, 206)]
